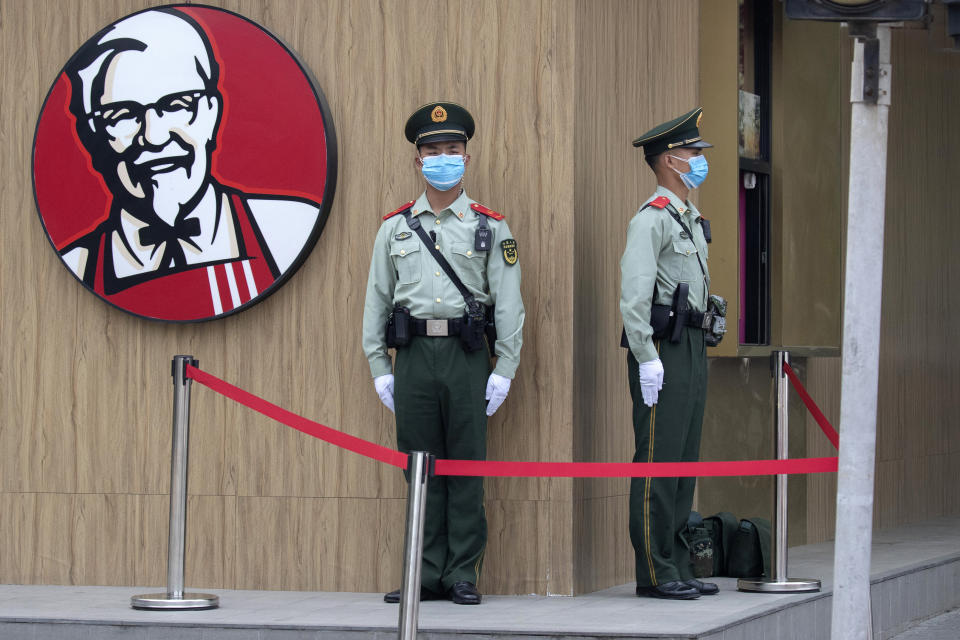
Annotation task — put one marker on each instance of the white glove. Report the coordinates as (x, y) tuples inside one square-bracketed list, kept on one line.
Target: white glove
[(651, 380), (384, 386), (497, 389)]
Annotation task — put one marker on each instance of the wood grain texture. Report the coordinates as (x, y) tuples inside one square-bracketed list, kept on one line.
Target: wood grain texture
[(629, 80), (823, 384), (717, 198), (319, 544), (808, 197), (86, 392), (558, 88), (919, 373)]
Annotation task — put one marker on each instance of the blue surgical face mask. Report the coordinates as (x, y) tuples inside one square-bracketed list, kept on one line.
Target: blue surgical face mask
[(698, 171), (443, 172)]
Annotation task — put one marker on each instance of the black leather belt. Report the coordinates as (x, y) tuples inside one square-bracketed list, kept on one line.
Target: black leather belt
[(436, 328), (699, 320)]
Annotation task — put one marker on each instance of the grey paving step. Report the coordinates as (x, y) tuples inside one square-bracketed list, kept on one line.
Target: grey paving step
[(915, 575)]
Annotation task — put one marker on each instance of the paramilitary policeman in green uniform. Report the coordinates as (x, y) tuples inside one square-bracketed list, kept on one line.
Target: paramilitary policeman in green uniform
[(441, 386), (663, 297)]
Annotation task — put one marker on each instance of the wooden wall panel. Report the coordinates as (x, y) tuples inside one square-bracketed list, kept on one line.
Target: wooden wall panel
[(636, 67), (823, 383), (605, 556), (808, 199), (85, 390), (718, 36), (94, 539), (919, 366), (559, 88), (294, 543), (917, 438)]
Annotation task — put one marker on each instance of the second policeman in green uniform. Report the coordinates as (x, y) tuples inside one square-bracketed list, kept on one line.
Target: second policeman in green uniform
[(440, 390), (666, 247)]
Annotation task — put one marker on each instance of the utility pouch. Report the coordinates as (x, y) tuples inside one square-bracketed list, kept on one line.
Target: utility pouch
[(717, 307), (472, 332), (398, 327), (698, 540), (681, 310), (722, 528), (491, 331), (660, 315)]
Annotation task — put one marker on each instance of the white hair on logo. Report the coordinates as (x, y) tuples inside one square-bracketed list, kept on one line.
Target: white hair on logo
[(155, 32)]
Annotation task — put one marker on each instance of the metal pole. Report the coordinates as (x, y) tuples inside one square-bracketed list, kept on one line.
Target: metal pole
[(783, 426), (178, 480), (780, 583), (863, 292), (413, 547), (175, 598)]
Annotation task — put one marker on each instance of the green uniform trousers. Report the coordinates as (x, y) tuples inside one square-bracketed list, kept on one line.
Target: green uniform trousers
[(667, 432), (439, 399)]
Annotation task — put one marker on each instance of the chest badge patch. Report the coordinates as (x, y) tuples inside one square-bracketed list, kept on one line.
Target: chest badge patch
[(402, 236), (510, 255)]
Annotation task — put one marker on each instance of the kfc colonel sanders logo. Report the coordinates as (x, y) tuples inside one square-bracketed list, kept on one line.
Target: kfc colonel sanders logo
[(184, 163)]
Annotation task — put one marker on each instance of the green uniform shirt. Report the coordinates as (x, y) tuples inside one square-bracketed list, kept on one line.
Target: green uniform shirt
[(659, 253), (402, 272)]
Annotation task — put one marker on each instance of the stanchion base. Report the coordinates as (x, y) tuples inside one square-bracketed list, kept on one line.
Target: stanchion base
[(165, 601), (790, 585)]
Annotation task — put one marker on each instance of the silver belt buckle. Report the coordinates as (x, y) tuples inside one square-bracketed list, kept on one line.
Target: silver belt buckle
[(707, 321), (437, 328)]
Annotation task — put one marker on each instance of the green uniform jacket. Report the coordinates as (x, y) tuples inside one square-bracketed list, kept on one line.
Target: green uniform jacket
[(658, 253), (402, 272)]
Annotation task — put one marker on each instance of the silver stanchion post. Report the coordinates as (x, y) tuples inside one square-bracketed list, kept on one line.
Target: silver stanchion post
[(413, 546), (175, 598), (780, 583)]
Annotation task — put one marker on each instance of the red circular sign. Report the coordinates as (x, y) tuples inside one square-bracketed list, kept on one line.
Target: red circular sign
[(184, 163)]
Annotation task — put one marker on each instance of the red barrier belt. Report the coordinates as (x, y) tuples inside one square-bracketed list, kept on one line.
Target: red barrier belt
[(812, 407), (515, 469), (315, 429), (633, 469)]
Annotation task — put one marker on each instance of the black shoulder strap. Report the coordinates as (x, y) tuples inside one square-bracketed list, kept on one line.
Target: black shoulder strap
[(676, 216), (416, 227)]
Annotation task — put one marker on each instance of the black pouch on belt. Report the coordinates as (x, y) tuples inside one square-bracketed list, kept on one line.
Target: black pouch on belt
[(472, 328), (491, 331), (660, 315), (681, 309), (398, 327)]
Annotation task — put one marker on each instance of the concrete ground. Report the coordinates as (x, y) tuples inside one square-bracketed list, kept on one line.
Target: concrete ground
[(942, 627), (915, 575)]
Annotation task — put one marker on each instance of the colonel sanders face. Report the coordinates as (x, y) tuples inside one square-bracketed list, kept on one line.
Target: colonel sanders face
[(150, 112)]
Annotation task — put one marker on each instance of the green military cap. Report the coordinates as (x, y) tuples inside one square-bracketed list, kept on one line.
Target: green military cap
[(439, 122), (679, 132)]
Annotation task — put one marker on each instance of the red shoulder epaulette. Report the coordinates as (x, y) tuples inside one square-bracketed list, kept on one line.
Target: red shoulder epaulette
[(399, 210), (660, 203), (490, 213)]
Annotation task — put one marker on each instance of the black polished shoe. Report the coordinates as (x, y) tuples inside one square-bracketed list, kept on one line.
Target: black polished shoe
[(671, 591), (464, 592), (425, 594), (705, 588)]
